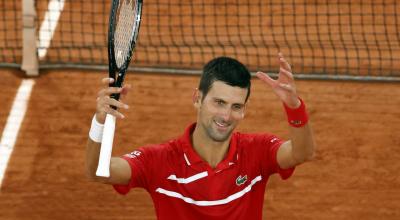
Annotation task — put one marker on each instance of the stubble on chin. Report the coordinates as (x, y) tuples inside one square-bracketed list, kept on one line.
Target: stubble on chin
[(213, 134)]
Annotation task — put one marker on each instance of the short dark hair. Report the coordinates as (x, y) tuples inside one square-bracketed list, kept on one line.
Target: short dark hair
[(225, 69)]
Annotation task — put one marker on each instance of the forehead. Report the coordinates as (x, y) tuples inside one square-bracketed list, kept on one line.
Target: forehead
[(232, 94)]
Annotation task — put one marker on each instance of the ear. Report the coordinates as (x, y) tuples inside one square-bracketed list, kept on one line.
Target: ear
[(196, 97), (244, 110)]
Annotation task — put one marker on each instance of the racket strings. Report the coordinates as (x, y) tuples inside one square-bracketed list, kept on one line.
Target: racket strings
[(125, 30)]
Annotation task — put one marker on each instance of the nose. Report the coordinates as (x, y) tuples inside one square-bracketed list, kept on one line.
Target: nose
[(226, 114)]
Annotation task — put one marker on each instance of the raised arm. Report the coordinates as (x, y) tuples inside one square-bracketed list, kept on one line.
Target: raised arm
[(120, 171), (301, 146)]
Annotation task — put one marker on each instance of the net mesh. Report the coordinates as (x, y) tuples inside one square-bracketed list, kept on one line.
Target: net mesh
[(10, 32), (342, 37)]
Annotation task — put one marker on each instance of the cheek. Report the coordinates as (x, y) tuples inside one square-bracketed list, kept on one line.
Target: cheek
[(208, 110), (238, 116)]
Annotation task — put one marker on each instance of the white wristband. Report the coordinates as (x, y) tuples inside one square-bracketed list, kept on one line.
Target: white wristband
[(96, 130)]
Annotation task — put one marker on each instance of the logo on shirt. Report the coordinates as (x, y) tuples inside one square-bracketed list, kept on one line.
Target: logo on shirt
[(133, 154), (241, 180)]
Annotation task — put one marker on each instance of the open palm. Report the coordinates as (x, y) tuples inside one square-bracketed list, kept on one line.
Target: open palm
[(284, 87)]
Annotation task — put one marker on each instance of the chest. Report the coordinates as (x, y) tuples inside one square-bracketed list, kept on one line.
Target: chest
[(201, 183)]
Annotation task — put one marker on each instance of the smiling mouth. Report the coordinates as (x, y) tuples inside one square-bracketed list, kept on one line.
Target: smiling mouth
[(222, 125)]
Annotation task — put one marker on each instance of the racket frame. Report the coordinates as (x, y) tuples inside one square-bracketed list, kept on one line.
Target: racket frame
[(103, 168)]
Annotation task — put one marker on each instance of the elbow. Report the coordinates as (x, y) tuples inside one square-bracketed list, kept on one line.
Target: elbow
[(91, 173), (311, 154), (310, 157), (92, 177)]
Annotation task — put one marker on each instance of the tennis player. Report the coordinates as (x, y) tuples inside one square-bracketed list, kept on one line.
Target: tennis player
[(211, 171)]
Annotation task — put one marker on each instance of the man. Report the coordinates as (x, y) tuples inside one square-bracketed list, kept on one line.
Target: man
[(210, 172)]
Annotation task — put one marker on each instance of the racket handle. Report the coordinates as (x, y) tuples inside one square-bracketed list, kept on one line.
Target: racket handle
[(103, 168)]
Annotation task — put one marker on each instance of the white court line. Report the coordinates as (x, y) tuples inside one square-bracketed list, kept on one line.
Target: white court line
[(14, 120), (49, 25)]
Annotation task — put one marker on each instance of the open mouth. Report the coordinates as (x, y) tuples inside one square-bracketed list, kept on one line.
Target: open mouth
[(222, 125)]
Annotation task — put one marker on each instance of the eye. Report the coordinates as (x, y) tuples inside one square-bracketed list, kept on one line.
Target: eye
[(237, 107), (219, 102)]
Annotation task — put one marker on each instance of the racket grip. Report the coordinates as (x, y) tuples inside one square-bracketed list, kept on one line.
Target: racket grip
[(103, 168)]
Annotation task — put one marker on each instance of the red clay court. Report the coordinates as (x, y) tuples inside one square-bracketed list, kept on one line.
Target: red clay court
[(356, 124)]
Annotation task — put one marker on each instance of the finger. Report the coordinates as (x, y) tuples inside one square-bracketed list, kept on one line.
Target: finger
[(286, 87), (107, 101), (287, 73), (126, 89), (112, 102), (106, 81), (265, 78), (280, 55), (114, 112), (108, 91), (283, 62)]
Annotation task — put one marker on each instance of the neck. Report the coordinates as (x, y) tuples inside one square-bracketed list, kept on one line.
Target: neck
[(213, 152)]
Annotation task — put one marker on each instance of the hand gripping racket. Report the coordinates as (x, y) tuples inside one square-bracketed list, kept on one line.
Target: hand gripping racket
[(123, 30)]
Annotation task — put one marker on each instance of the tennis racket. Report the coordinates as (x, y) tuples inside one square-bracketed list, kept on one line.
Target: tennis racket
[(123, 30)]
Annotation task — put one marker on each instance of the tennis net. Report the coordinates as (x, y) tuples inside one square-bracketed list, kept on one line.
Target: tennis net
[(319, 37), (10, 33)]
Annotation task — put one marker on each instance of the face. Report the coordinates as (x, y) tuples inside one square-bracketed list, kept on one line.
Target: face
[(221, 110)]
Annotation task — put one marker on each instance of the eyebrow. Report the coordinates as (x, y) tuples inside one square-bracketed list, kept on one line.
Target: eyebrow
[(220, 99)]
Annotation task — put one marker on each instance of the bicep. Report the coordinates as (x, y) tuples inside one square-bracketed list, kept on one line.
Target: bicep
[(120, 172), (284, 156)]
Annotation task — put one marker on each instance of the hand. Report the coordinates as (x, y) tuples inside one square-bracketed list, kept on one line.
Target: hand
[(104, 101), (284, 86)]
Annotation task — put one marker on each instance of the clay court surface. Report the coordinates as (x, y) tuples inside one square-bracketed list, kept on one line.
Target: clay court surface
[(357, 125), (355, 174)]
